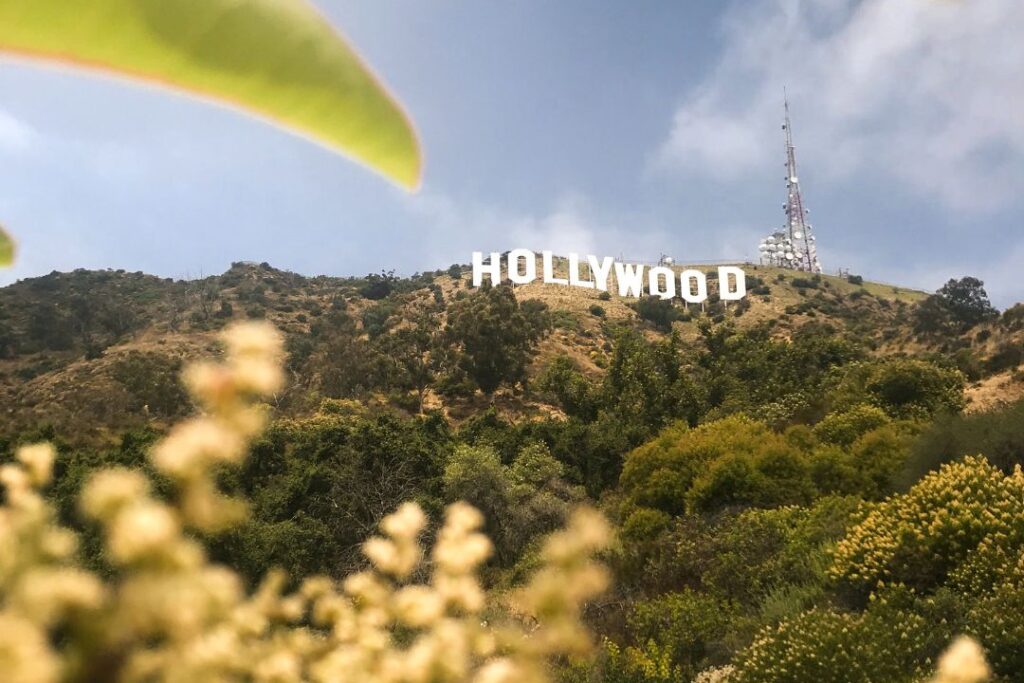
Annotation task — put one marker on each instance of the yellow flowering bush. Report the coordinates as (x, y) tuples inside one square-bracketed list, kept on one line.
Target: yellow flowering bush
[(962, 522), (165, 613), (895, 640), (886, 643)]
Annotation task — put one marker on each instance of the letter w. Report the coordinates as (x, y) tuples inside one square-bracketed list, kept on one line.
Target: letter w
[(630, 278)]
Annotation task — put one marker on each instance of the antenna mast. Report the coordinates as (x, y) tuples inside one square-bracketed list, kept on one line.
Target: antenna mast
[(793, 246)]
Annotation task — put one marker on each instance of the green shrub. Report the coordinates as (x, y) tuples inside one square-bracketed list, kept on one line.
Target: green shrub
[(645, 524), (843, 428), (153, 381), (903, 388), (734, 461), (997, 434), (562, 380), (682, 624), (1007, 356), (659, 312)]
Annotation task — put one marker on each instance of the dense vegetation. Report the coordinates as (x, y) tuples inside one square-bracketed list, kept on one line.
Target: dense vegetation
[(797, 496)]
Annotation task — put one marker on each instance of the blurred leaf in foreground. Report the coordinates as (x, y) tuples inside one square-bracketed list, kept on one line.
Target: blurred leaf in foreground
[(277, 59), (6, 249)]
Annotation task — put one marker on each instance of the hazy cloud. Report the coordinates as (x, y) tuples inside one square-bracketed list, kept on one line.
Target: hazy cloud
[(572, 224), (928, 92)]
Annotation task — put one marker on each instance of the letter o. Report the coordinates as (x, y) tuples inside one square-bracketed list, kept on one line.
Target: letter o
[(654, 286), (530, 260), (686, 281)]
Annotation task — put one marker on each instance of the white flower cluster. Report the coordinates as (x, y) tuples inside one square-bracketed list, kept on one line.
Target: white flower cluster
[(166, 614), (963, 662)]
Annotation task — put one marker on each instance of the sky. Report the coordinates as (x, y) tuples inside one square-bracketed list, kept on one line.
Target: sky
[(612, 128)]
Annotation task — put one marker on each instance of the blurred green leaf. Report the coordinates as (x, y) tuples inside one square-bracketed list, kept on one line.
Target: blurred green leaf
[(6, 249), (277, 59)]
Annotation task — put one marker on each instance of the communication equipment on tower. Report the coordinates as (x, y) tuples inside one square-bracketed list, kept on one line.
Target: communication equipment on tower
[(794, 245)]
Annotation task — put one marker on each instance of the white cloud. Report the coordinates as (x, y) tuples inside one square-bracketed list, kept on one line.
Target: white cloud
[(15, 134), (926, 92), (457, 228), (480, 227)]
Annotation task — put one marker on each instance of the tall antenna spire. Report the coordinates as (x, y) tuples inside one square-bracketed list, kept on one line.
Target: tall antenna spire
[(793, 246)]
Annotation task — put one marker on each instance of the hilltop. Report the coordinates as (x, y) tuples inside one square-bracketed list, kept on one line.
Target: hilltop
[(95, 352)]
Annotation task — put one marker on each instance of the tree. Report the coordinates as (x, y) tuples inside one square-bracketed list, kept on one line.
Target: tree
[(347, 366), (414, 348), (959, 305), (774, 380), (541, 498), (496, 335), (647, 386), (319, 485), (475, 474), (378, 286), (563, 380), (657, 311)]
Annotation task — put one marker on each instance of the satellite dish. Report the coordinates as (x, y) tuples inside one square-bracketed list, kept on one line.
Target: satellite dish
[(798, 235)]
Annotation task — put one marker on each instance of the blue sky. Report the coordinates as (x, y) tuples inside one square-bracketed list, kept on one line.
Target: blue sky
[(620, 128)]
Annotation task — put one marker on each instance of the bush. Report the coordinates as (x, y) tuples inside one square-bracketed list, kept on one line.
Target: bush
[(843, 428), (1013, 318), (855, 279), (563, 381), (955, 520), (681, 625), (903, 388), (153, 382), (377, 318), (734, 461), (596, 310), (659, 312), (885, 644), (1008, 356), (997, 434)]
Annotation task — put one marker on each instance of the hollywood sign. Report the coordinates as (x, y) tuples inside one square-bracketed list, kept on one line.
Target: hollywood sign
[(631, 278)]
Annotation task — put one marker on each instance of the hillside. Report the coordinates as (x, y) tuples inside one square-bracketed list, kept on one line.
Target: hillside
[(95, 352), (784, 475)]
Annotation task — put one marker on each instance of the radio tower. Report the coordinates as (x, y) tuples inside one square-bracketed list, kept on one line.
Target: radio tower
[(793, 246)]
